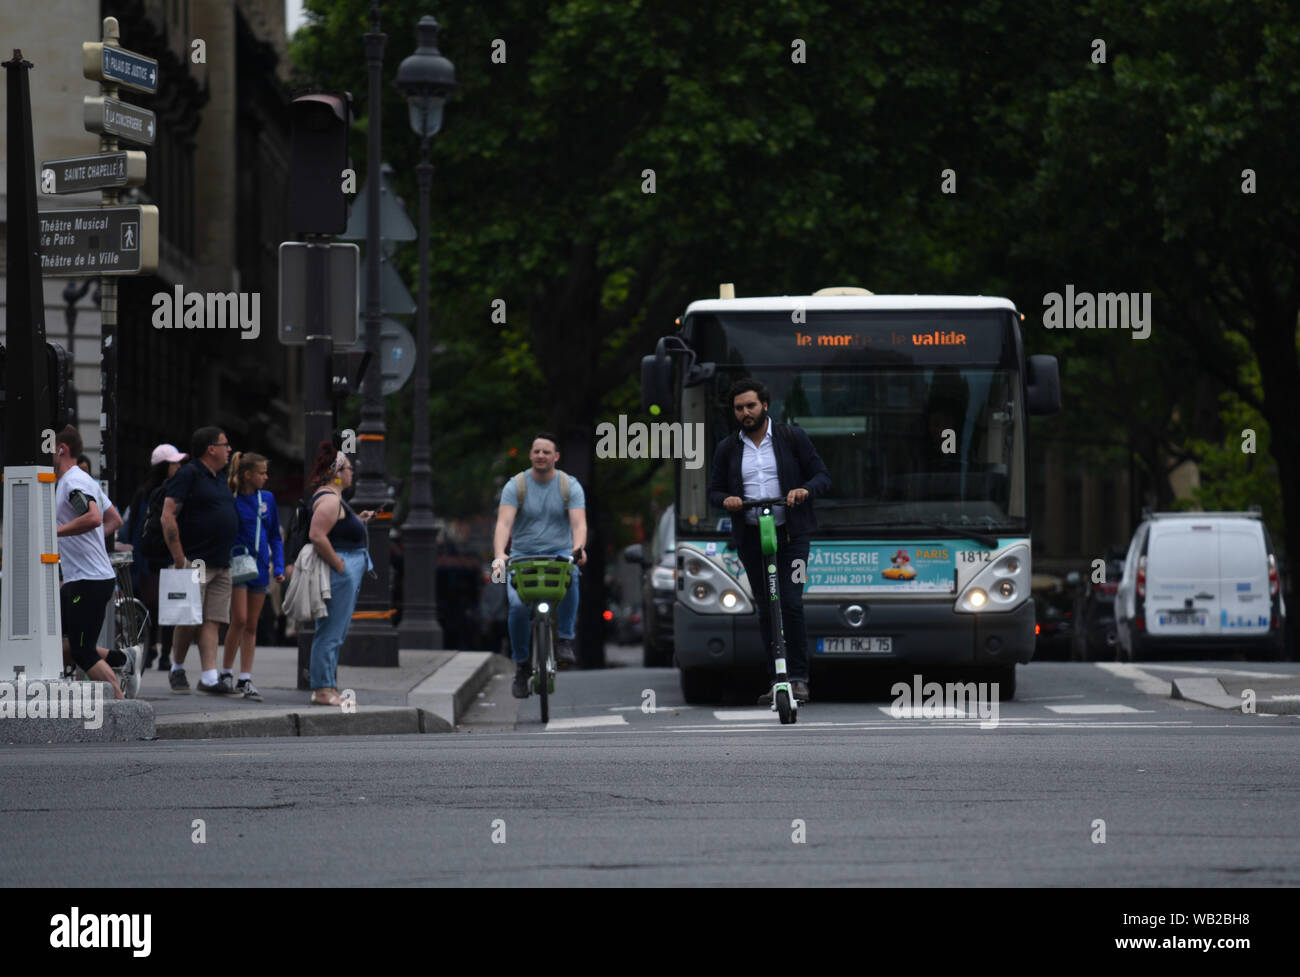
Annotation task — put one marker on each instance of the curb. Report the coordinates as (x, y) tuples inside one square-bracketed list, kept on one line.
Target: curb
[(449, 692), (364, 721), (119, 720), (1210, 692)]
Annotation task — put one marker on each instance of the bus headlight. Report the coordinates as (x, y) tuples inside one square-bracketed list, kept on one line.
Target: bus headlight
[(1003, 585), (705, 587)]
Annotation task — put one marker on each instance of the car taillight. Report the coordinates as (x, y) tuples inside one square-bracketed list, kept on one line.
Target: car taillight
[(1142, 577), (609, 615), (1038, 629), (1108, 588), (1272, 575), (1140, 623)]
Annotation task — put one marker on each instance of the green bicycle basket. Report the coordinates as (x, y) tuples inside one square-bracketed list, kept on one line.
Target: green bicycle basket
[(542, 579)]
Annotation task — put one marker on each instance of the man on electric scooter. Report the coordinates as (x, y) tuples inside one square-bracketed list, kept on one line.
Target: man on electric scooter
[(766, 460)]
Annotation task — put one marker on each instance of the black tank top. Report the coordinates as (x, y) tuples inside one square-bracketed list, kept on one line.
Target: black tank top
[(349, 533)]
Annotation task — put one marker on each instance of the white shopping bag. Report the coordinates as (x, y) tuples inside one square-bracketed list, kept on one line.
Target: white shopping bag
[(179, 601)]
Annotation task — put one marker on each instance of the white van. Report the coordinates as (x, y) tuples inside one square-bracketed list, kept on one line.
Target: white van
[(1200, 581)]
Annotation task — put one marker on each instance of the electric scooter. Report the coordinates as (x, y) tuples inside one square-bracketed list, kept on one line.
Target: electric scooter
[(783, 700)]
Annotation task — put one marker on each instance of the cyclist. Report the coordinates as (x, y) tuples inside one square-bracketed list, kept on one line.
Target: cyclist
[(543, 512)]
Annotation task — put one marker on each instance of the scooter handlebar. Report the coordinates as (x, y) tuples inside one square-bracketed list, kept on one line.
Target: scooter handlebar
[(759, 503)]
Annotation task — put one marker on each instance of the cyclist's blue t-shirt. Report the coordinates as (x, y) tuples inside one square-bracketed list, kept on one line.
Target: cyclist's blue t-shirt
[(542, 525)]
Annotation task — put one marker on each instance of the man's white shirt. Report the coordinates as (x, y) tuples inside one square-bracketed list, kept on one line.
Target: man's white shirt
[(759, 475), (82, 557)]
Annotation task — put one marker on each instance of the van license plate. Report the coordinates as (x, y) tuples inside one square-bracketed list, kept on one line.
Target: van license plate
[(855, 646), (1183, 617)]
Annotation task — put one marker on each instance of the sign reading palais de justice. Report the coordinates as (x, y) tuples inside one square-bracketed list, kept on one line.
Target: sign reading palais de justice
[(118, 66), (99, 241)]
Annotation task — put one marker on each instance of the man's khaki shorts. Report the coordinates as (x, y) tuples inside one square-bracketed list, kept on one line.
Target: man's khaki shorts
[(214, 592)]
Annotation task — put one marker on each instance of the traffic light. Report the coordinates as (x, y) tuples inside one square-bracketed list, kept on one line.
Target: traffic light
[(58, 367), (318, 157)]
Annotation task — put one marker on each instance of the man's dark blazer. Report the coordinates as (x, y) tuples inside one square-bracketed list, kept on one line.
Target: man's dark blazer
[(797, 466)]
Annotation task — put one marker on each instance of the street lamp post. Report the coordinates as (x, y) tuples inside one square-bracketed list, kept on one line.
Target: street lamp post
[(426, 80), (372, 640)]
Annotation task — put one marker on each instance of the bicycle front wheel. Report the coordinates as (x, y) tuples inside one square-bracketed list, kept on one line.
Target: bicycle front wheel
[(542, 652)]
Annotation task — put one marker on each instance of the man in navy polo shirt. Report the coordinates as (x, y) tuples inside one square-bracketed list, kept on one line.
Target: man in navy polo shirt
[(200, 523)]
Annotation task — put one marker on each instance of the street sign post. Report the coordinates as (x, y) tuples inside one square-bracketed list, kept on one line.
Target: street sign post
[(110, 117), (98, 241), (341, 305), (118, 66), (76, 174)]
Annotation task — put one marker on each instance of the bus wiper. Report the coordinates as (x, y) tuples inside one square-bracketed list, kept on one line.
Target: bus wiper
[(983, 539)]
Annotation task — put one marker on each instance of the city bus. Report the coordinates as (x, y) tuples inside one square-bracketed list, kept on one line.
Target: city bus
[(919, 407)]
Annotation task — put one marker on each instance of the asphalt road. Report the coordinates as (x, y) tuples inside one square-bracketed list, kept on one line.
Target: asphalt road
[(850, 795)]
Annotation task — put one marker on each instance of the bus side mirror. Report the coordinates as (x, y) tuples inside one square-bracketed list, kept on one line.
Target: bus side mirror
[(1044, 385), (657, 383)]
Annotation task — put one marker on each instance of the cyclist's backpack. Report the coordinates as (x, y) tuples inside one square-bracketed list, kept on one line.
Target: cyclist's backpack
[(521, 488), (152, 544)]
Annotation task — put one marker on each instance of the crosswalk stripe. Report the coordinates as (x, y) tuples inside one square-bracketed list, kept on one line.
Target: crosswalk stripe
[(1098, 709), (583, 722), (740, 715)]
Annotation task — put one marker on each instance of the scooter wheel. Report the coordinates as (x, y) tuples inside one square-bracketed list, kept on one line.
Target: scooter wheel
[(783, 707)]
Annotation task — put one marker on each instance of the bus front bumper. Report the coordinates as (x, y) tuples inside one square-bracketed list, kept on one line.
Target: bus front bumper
[(919, 633)]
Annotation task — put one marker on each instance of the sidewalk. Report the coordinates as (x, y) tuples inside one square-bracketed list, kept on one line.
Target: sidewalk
[(428, 693)]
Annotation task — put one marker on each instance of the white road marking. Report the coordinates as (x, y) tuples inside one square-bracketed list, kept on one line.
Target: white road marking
[(1050, 698), (1142, 681), (657, 708), (1082, 710), (1199, 670), (918, 712), (583, 722), (734, 715)]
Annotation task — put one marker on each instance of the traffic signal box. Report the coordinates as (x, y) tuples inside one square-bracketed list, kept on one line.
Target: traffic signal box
[(318, 157)]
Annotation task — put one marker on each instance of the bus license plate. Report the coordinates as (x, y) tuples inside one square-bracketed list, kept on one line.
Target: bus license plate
[(855, 646)]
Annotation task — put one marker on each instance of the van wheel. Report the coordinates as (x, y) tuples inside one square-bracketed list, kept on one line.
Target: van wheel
[(701, 686)]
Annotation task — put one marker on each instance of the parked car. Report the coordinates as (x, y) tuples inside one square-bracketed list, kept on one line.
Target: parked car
[(1200, 582), (1095, 638), (658, 591)]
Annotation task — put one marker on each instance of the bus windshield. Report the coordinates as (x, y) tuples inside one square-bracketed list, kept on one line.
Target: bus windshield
[(915, 441)]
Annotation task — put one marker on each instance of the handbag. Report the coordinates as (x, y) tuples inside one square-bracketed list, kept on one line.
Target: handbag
[(243, 567), (179, 599)]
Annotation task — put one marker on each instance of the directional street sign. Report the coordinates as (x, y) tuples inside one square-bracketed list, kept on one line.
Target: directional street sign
[(118, 66), (99, 241), (119, 119), (75, 174), (340, 301), (394, 299)]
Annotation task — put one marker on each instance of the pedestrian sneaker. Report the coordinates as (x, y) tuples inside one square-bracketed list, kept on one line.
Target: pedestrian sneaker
[(221, 686), (523, 673), (128, 676), (179, 684), (248, 689), (766, 698), (800, 688), (564, 653)]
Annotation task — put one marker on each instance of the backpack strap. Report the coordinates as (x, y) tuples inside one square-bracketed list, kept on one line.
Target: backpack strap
[(521, 488)]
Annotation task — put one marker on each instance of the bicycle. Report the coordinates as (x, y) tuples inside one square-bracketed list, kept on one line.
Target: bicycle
[(127, 624), (542, 582), (783, 700)]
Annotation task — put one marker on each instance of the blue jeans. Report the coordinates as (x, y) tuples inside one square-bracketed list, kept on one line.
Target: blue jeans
[(521, 634), (333, 628)]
